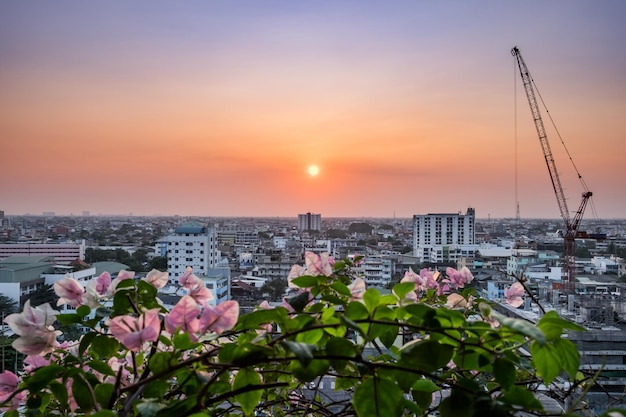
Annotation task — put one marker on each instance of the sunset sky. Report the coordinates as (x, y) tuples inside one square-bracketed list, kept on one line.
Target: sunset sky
[(219, 108)]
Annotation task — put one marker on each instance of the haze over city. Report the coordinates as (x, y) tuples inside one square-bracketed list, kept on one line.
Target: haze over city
[(345, 108)]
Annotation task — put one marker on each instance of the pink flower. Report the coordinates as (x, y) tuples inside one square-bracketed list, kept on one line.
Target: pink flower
[(357, 288), (34, 326), (31, 363), (69, 291), (102, 283), (8, 385), (295, 272), (133, 332), (458, 279), (157, 278), (458, 301), (223, 317), (411, 276), (514, 294), (321, 264), (183, 317), (195, 287)]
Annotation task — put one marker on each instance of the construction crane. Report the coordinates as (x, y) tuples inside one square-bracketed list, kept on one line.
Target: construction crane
[(572, 225)]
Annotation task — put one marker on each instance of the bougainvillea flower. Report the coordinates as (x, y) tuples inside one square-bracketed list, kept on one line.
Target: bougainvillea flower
[(201, 294), (157, 278), (223, 317), (411, 276), (34, 326), (133, 332), (33, 362), (513, 294), (188, 279), (8, 385), (318, 264), (69, 291), (459, 278), (456, 300), (295, 272), (183, 317), (357, 288), (102, 283)]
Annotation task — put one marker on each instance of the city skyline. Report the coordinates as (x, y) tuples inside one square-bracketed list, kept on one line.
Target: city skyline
[(221, 109)]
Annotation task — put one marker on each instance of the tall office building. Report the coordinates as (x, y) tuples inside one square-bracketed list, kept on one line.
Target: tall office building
[(444, 237), (310, 221), (192, 244)]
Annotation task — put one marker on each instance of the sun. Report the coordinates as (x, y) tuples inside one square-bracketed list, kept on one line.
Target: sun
[(313, 170)]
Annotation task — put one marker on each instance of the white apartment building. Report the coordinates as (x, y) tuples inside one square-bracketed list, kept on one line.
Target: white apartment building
[(443, 237), (63, 253), (376, 270), (309, 221), (194, 245)]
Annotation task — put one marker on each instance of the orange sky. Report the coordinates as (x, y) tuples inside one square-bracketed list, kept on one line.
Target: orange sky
[(218, 108)]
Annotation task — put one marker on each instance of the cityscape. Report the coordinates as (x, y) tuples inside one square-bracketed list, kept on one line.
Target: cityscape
[(249, 259)]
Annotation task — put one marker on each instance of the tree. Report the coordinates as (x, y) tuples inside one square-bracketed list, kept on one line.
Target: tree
[(275, 288), (159, 262), (43, 294), (7, 306), (361, 228)]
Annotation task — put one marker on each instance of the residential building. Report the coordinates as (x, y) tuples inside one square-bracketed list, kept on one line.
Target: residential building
[(444, 237), (192, 245), (310, 221)]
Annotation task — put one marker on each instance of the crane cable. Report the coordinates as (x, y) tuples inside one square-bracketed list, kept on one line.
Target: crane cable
[(580, 177)]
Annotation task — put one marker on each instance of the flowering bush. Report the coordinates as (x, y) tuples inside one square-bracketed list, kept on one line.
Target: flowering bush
[(429, 345)]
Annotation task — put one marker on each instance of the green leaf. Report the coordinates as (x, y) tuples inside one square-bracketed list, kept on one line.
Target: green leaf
[(299, 301), (425, 385), (85, 341), (60, 393), (552, 325), (160, 362), (570, 357), (82, 394), (310, 371), (403, 288), (104, 413), (105, 346), (338, 346), (304, 351), (104, 393), (341, 288), (522, 397), (83, 310), (547, 361), (504, 372), (248, 400), (101, 367), (42, 377), (182, 341), (71, 318), (426, 355), (255, 319), (305, 281), (522, 326), (457, 404), (149, 407), (310, 336), (377, 397), (371, 297)]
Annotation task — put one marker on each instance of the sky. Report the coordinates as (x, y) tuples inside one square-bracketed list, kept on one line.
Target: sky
[(219, 108)]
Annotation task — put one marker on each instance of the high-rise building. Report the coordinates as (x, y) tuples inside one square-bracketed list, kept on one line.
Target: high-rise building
[(310, 221), (444, 237), (192, 244)]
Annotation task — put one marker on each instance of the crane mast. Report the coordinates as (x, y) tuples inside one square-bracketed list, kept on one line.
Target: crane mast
[(571, 225)]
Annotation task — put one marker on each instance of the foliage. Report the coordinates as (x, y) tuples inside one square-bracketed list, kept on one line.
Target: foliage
[(428, 346), (7, 305), (43, 294), (360, 227)]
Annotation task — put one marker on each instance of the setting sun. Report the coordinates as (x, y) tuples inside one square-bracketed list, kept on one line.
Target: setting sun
[(313, 170)]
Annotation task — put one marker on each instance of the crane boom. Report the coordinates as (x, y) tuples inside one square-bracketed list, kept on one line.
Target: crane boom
[(571, 226)]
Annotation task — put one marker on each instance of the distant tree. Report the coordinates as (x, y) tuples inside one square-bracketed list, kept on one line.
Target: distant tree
[(364, 228), (7, 306), (275, 288), (336, 234), (386, 227), (159, 262), (42, 295)]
